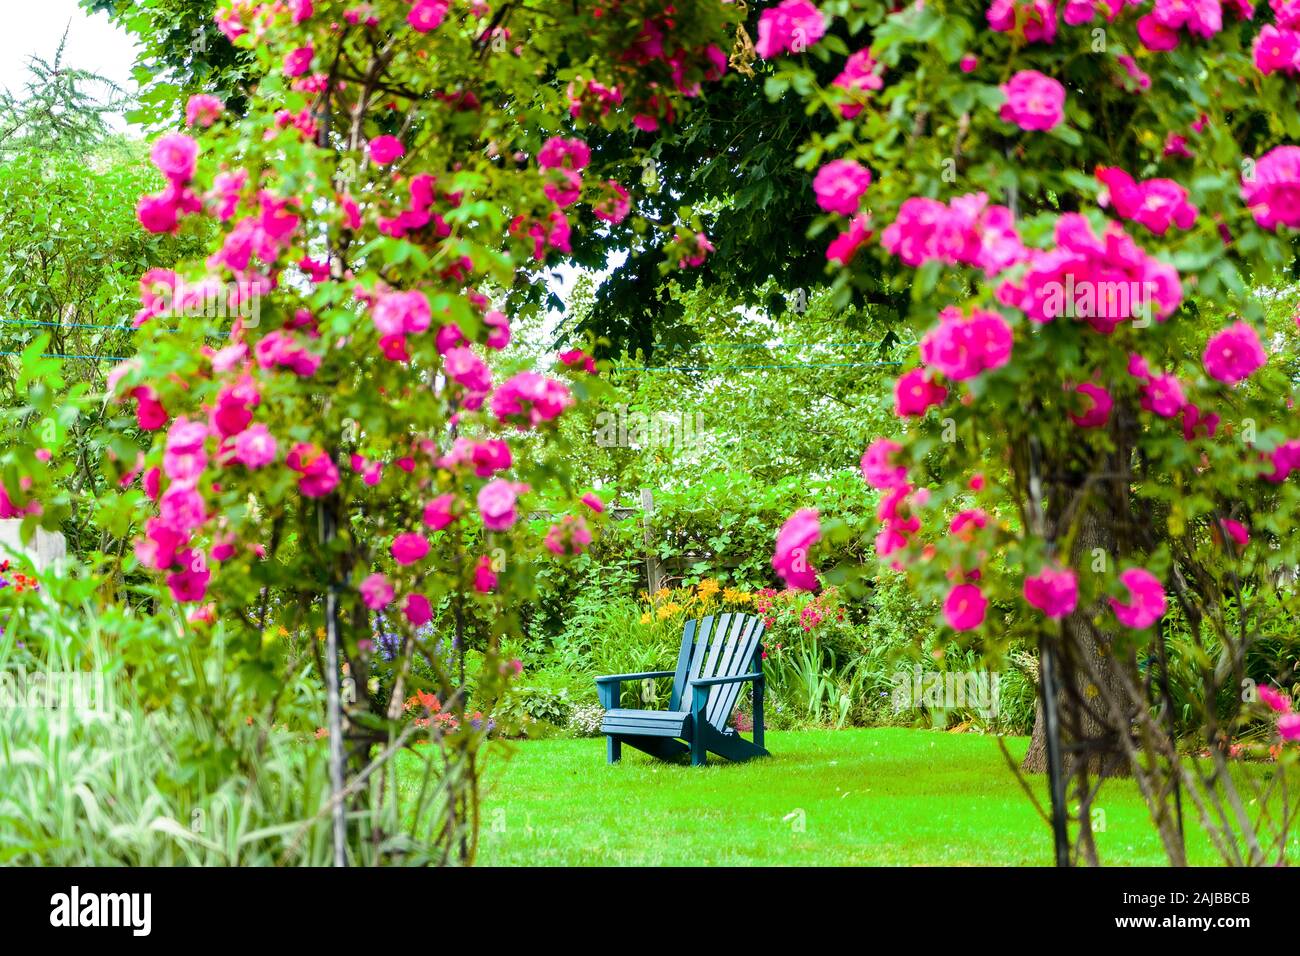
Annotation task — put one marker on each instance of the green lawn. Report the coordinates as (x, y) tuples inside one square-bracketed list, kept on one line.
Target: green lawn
[(875, 797)]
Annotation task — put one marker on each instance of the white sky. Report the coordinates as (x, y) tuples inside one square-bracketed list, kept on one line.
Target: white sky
[(36, 26)]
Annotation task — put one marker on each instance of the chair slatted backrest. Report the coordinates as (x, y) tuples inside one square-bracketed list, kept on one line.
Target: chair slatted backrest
[(715, 647)]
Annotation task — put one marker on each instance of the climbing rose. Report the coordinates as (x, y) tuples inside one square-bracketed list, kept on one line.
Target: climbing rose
[(791, 26), (860, 76), (1277, 50), (438, 512), (843, 247), (1163, 395), (376, 592), (962, 347), (254, 447), (964, 607), (190, 583), (417, 610), (1289, 726), (298, 62), (157, 214), (409, 548), (799, 533), (1034, 101), (1273, 700), (1273, 192), (1054, 591), (319, 475), (570, 536), (878, 467), (1154, 203), (484, 577), (915, 392), (966, 231), (427, 15), (386, 149), (175, 155), (401, 313), (1102, 280), (184, 457), (614, 205), (1039, 19), (1158, 30), (1237, 532), (839, 186), (1146, 603), (560, 153), (203, 110), (528, 399), (496, 503), (1099, 404), (1231, 356)]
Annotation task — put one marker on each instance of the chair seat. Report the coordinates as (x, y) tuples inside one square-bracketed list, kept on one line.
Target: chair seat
[(645, 723)]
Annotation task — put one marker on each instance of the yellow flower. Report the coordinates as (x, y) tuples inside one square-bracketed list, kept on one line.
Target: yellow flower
[(662, 593), (668, 610), (645, 618), (709, 587), (736, 596)]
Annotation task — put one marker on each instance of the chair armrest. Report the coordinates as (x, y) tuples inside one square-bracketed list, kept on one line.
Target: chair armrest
[(619, 678), (714, 681)]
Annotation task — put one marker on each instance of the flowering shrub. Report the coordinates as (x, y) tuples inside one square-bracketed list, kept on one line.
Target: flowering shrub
[(353, 442), (1099, 420)]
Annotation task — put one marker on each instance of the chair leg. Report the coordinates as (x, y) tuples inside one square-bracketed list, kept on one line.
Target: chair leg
[(758, 712), (699, 753), (613, 750)]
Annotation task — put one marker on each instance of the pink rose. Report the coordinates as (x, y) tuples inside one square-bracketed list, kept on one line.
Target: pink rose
[(298, 62), (839, 186), (915, 392), (376, 592), (791, 26), (1231, 356), (791, 561), (1273, 192), (1034, 101), (427, 15), (485, 579), (175, 155), (1273, 700), (318, 471), (203, 110), (879, 468), (1054, 591), (496, 504), (1146, 603), (962, 347), (386, 149), (1096, 411), (439, 513), (417, 609), (409, 547), (964, 607)]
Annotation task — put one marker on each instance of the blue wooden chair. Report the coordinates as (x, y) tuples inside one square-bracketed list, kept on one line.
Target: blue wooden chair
[(718, 655)]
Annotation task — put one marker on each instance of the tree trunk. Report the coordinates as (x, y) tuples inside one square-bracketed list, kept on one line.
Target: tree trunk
[(1085, 727)]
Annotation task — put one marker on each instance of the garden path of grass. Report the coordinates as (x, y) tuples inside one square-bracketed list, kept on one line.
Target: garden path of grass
[(884, 796)]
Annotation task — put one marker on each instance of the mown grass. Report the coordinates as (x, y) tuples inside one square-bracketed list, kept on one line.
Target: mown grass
[(884, 796)]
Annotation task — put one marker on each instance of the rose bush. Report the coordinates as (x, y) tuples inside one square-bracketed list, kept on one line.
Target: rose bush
[(1104, 388)]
